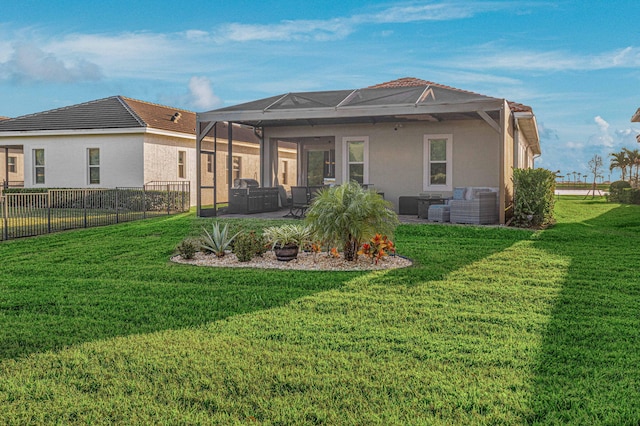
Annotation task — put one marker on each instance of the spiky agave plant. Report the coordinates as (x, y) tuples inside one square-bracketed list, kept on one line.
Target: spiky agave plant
[(218, 241), (347, 215)]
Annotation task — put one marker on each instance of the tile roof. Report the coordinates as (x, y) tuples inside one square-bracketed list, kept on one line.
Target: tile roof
[(115, 112), (412, 82), (118, 112)]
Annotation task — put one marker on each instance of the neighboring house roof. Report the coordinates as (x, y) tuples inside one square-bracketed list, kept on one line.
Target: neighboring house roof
[(3, 118), (636, 116), (116, 112)]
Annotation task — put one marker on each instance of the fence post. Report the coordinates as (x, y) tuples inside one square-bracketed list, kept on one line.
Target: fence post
[(117, 210), (84, 206), (5, 218), (48, 211), (168, 201)]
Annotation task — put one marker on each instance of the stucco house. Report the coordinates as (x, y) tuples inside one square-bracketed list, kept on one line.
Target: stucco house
[(118, 142), (404, 138)]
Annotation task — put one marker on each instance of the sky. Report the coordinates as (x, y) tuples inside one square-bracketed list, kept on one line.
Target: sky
[(576, 63)]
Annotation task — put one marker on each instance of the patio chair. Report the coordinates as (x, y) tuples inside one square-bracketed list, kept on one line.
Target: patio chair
[(482, 209), (299, 201), (285, 200)]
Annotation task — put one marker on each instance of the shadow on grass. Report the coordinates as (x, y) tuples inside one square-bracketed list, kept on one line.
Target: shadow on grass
[(588, 368), (73, 287), (438, 250)]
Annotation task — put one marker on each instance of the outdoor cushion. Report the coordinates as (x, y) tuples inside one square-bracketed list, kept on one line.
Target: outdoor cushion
[(458, 193)]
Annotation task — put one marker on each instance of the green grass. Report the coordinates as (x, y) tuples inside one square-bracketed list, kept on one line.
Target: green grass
[(491, 326)]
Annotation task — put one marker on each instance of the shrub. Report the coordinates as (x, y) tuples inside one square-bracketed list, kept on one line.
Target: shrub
[(616, 190), (534, 197), (188, 247), (347, 215), (289, 234), (218, 241), (247, 245)]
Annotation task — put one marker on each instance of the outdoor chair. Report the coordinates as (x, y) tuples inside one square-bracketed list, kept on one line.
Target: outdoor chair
[(481, 209), (299, 201), (285, 200)]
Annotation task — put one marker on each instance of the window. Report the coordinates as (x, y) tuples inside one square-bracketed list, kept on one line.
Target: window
[(182, 158), (209, 163), (285, 172), (11, 163), (236, 163), (357, 159), (94, 166), (437, 162), (38, 166)]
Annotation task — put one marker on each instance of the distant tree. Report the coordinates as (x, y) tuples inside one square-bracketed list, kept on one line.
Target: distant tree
[(633, 157), (619, 161), (595, 164)]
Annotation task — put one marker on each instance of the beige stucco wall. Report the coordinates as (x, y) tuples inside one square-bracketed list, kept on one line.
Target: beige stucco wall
[(18, 175), (396, 157), (66, 159)]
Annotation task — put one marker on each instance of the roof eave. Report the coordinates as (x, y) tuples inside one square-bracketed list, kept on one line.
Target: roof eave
[(528, 124), (67, 132), (346, 112)]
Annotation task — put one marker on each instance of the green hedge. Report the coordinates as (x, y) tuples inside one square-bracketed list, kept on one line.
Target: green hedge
[(534, 197), (622, 192)]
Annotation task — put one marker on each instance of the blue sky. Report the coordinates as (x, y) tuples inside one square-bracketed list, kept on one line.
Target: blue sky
[(576, 63)]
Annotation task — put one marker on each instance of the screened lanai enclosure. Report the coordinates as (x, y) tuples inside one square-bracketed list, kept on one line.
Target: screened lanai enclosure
[(406, 137)]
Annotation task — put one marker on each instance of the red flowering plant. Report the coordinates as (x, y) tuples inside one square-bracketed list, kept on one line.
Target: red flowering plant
[(378, 247)]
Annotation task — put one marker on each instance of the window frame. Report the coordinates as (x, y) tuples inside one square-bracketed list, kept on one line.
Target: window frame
[(426, 178), (37, 166), (346, 163), (236, 172), (182, 164), (12, 164), (90, 166)]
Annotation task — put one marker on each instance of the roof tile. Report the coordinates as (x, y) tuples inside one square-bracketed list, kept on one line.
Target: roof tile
[(412, 81)]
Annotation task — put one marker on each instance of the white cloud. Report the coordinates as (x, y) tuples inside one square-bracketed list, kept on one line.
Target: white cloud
[(333, 29), (602, 124), (29, 63), (496, 57), (201, 93)]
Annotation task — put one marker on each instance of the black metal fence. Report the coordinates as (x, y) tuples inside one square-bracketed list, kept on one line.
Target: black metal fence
[(30, 214)]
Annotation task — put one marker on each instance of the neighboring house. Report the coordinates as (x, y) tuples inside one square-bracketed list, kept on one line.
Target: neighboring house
[(118, 142), (405, 137)]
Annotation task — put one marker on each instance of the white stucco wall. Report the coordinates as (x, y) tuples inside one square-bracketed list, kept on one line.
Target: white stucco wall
[(66, 159)]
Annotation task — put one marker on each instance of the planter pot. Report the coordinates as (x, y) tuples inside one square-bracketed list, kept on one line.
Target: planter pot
[(286, 253)]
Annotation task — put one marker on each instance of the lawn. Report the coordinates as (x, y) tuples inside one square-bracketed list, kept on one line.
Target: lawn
[(490, 326)]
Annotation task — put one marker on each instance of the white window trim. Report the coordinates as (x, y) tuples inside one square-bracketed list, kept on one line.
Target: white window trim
[(426, 178), (184, 164), (35, 166), (345, 156), (89, 166)]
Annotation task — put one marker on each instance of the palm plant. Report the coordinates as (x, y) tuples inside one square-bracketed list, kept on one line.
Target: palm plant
[(633, 157), (347, 215), (619, 161), (218, 241)]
